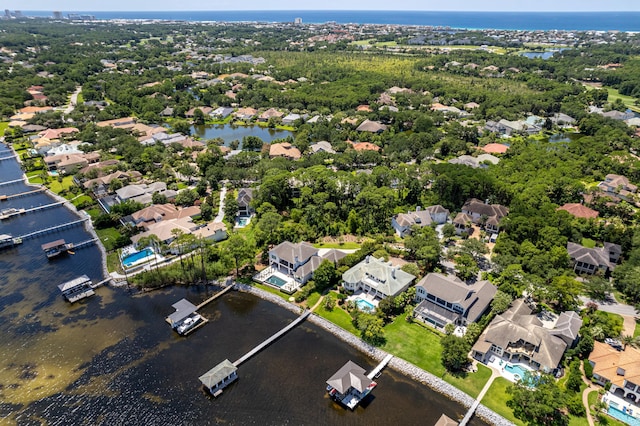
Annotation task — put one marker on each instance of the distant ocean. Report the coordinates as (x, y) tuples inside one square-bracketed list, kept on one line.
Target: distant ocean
[(572, 21)]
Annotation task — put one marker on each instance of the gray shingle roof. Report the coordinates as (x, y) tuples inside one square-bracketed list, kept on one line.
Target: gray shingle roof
[(291, 251), (217, 373), (351, 375), (380, 275)]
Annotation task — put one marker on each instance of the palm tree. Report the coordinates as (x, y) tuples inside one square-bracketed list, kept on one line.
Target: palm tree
[(627, 339)]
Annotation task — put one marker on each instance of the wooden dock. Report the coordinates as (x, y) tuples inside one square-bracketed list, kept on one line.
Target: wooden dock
[(53, 228), (9, 182), (376, 371), (9, 158), (214, 297), (22, 194), (273, 338), (46, 206)]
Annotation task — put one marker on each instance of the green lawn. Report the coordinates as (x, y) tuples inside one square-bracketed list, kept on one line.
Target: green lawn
[(636, 332), (58, 187), (94, 212), (339, 317), (588, 243), (108, 237), (84, 199), (629, 101), (344, 246), (313, 299), (113, 263), (496, 398), (3, 127), (271, 290), (420, 345)]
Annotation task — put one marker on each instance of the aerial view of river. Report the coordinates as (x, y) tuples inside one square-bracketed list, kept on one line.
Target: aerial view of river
[(230, 133), (112, 359)]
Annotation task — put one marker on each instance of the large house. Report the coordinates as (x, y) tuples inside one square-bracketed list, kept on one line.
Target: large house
[(165, 230), (447, 300), (403, 222), (618, 186), (158, 212), (143, 193), (299, 260), (619, 368), (245, 196), (518, 335), (377, 278), (578, 210), (592, 260), (488, 215), (285, 150)]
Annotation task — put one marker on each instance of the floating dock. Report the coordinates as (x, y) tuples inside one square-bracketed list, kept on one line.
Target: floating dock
[(77, 289)]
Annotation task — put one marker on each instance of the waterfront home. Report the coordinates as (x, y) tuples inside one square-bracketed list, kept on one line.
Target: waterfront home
[(219, 377), (300, 260), (158, 212), (68, 163), (285, 150), (349, 385), (291, 119), (579, 210), (100, 185), (485, 214), (143, 193), (403, 222), (245, 197), (270, 113), (562, 120), (445, 299), (245, 113), (619, 369), (518, 335), (377, 278), (221, 112), (593, 260), (206, 110), (165, 231)]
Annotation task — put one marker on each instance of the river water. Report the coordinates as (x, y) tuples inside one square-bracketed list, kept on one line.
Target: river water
[(113, 360)]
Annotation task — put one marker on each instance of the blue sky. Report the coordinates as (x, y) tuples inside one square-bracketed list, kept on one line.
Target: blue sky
[(458, 5)]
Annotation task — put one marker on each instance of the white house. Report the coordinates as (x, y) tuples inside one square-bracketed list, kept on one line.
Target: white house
[(377, 278)]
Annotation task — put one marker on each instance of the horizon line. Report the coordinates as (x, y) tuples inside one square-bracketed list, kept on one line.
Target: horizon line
[(344, 10)]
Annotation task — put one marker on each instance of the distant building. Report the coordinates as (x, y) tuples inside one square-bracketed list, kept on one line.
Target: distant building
[(592, 260), (488, 215), (297, 21), (57, 15), (403, 222)]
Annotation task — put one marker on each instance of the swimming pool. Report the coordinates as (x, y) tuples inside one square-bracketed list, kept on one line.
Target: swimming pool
[(137, 257), (623, 416), (277, 281), (517, 371), (365, 305), (242, 221)]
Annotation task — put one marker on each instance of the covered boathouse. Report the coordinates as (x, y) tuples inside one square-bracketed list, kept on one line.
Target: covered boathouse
[(350, 385), (77, 288), (219, 377)]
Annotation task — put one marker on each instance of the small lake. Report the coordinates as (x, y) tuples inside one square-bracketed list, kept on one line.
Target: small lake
[(564, 137), (546, 54), (230, 133)]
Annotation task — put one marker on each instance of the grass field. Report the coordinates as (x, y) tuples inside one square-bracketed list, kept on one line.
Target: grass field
[(108, 237), (3, 127), (343, 246), (271, 290), (339, 317), (627, 100), (58, 187), (421, 346)]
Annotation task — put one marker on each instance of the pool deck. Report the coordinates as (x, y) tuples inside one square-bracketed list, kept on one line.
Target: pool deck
[(621, 405), (499, 364), (364, 296)]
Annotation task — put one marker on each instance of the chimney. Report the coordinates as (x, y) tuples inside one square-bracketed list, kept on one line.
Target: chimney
[(418, 208), (393, 272), (367, 259), (486, 201)]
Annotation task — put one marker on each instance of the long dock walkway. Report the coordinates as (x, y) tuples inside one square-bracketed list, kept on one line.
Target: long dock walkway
[(273, 338), (9, 158), (474, 406), (46, 206), (380, 366), (22, 194), (53, 228), (214, 297), (9, 182)]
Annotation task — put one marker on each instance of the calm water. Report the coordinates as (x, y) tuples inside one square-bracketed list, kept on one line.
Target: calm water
[(230, 133), (602, 21), (112, 359)]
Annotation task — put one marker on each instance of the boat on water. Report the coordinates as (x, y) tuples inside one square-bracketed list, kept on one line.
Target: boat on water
[(7, 241), (7, 213), (56, 248), (188, 324)]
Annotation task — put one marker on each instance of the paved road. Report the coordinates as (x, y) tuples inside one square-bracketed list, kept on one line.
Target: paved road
[(613, 307), (220, 216), (74, 100)]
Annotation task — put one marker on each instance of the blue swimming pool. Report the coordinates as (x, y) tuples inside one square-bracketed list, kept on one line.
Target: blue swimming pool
[(277, 281), (623, 416), (516, 370), (365, 305), (137, 257)]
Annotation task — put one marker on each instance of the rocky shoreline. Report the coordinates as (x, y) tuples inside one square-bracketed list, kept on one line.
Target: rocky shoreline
[(398, 364)]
